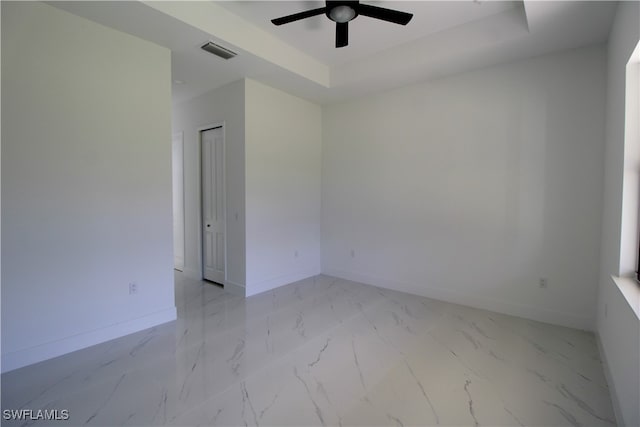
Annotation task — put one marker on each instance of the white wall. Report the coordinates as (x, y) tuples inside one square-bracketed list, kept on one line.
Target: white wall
[(86, 183), (177, 172), (471, 188), (618, 326), (283, 178), (224, 104)]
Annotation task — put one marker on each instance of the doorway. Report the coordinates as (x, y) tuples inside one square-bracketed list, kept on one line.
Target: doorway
[(213, 204)]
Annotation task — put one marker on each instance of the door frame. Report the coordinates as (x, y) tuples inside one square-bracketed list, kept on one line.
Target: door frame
[(224, 195)]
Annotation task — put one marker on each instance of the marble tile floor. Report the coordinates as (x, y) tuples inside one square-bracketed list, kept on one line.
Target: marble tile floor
[(323, 351)]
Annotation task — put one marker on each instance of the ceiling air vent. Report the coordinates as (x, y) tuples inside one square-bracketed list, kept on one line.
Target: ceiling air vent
[(218, 50)]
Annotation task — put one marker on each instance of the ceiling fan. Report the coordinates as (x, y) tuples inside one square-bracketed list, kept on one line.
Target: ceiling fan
[(343, 11)]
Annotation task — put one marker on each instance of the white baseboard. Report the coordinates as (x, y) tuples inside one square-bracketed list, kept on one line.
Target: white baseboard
[(617, 411), (267, 285), (235, 288), (457, 297), (29, 356)]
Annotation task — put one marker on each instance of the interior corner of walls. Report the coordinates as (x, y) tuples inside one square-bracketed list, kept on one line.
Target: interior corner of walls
[(619, 345), (275, 282), (39, 353), (192, 273)]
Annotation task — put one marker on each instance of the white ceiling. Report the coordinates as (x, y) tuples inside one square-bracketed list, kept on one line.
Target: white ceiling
[(444, 37)]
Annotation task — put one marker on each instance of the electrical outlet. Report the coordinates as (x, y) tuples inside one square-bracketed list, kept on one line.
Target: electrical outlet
[(543, 283), (133, 288), (295, 254), (353, 253)]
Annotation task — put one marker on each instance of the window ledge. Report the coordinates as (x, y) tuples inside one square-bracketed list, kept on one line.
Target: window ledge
[(630, 289)]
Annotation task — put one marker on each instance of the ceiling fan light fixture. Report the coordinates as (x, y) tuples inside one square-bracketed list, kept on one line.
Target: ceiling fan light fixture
[(342, 14)]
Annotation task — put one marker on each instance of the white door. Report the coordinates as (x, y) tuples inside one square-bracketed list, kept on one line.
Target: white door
[(213, 205), (177, 163)]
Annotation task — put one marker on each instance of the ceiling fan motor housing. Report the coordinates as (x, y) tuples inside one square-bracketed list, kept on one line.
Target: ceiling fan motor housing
[(342, 10)]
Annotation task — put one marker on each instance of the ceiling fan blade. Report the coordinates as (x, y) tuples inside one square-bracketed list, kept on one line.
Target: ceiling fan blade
[(298, 16), (388, 15), (342, 34)]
